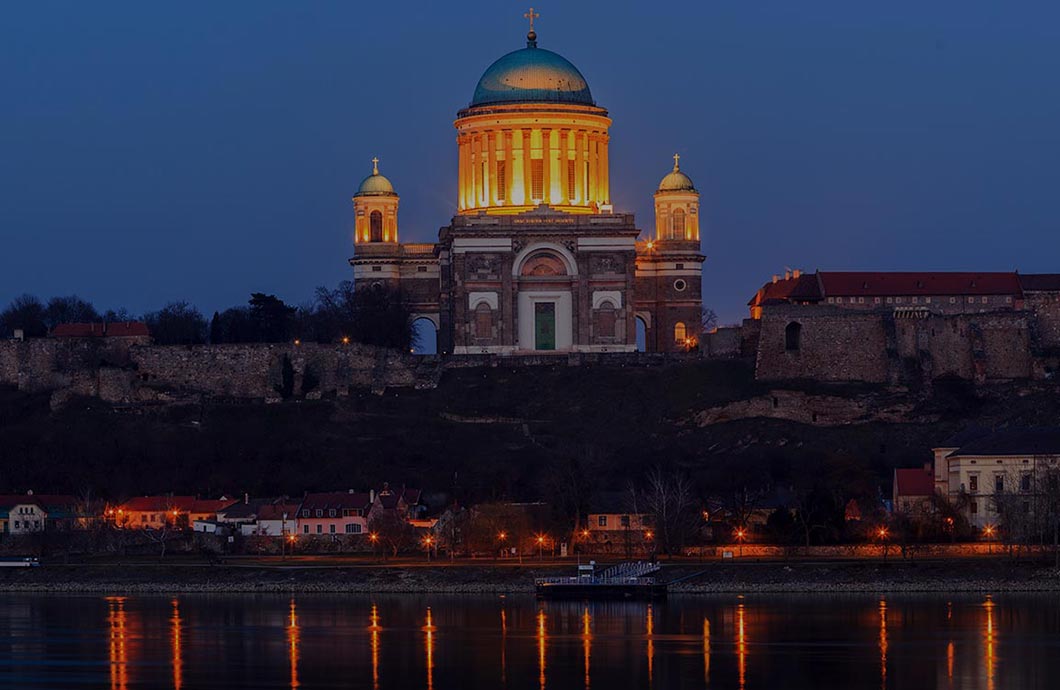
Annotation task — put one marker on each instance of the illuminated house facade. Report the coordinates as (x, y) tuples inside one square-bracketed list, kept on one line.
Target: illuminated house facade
[(536, 259)]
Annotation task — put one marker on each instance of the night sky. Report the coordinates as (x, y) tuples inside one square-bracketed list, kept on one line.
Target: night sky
[(203, 150)]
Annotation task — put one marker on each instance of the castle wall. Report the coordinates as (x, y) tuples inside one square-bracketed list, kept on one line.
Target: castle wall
[(1047, 329), (833, 345)]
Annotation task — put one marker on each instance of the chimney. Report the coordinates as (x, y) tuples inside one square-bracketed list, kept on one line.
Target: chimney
[(349, 491), (796, 273), (787, 274), (775, 278), (371, 495), (30, 492), (246, 498)]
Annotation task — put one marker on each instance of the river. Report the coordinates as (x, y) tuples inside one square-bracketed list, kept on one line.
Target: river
[(466, 642)]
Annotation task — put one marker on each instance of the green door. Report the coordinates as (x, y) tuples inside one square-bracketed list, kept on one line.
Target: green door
[(544, 325)]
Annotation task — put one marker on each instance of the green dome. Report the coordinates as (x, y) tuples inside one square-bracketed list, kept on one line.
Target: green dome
[(375, 184), (676, 181), (532, 75)]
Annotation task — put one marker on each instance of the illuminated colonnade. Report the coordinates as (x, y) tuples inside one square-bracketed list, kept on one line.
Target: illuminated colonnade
[(515, 157)]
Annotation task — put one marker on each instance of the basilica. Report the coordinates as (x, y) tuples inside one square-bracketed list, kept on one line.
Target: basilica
[(535, 259)]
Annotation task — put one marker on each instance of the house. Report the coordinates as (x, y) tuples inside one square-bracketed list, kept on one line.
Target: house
[(913, 491), (612, 512), (978, 470), (155, 512), (334, 513), (405, 502), (29, 512), (276, 519)]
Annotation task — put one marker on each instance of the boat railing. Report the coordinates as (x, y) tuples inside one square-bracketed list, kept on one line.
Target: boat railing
[(627, 580)]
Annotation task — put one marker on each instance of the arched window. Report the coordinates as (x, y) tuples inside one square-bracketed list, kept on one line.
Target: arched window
[(792, 336), (680, 332), (605, 320), (678, 228), (375, 227), (543, 264), (483, 322)]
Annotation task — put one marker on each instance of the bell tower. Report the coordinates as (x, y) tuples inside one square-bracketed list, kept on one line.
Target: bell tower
[(676, 207), (375, 207)]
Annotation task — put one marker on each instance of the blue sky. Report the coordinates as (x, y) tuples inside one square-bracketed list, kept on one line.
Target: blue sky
[(204, 150)]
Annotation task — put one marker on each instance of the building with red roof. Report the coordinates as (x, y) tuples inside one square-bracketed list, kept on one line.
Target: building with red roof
[(334, 513), (161, 511)]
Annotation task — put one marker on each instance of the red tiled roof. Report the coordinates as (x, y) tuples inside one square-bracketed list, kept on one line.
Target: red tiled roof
[(275, 511), (338, 500), (1040, 282), (914, 482), (184, 504), (804, 288), (118, 329), (880, 284)]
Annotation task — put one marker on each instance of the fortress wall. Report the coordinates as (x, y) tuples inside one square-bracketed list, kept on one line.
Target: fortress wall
[(1047, 307), (834, 345), (9, 362)]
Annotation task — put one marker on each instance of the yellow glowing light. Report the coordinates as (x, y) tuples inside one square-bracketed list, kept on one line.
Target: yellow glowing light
[(881, 532), (501, 536), (373, 536), (649, 534), (297, 341), (345, 340)]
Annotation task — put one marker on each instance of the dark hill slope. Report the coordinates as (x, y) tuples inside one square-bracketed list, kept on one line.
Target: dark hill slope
[(527, 432)]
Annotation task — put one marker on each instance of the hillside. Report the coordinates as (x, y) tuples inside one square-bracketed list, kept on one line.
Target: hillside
[(492, 432)]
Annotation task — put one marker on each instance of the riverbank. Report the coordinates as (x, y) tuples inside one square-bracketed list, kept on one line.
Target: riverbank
[(967, 575)]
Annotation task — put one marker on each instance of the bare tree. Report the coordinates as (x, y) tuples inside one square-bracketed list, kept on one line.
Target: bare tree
[(669, 498)]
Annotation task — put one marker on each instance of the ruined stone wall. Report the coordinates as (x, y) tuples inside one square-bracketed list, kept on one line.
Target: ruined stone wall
[(1046, 306), (834, 345), (725, 342), (882, 347)]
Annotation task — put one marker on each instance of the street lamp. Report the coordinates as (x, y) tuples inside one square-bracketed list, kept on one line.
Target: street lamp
[(541, 547), (501, 536), (988, 532), (740, 535), (427, 541), (881, 533)]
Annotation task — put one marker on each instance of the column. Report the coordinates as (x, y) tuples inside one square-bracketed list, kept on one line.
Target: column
[(462, 171), (492, 197), (546, 166), (605, 173), (527, 138), (564, 157), (483, 170), (593, 175), (579, 166)]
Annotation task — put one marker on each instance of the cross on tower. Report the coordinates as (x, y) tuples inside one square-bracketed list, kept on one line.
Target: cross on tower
[(677, 160), (531, 15), (375, 166)]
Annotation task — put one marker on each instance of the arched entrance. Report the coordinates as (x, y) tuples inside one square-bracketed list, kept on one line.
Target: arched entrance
[(425, 335), (642, 334), (545, 273)]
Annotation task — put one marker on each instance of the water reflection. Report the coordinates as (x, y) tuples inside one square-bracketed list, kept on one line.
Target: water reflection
[(587, 641), (373, 629), (116, 621), (175, 633), (706, 652), (988, 640), (322, 641), (292, 643), (542, 637), (883, 644), (429, 629)]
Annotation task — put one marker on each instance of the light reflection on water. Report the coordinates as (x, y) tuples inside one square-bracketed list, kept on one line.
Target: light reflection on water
[(235, 641)]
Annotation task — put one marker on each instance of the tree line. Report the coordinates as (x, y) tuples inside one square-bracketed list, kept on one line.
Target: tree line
[(374, 315)]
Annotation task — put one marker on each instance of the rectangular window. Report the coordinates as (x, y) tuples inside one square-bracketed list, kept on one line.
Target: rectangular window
[(876, 300), (502, 180), (421, 269), (571, 173), (973, 507), (331, 528), (377, 269), (927, 300), (971, 300), (624, 520), (305, 529), (985, 300), (320, 528), (999, 483), (915, 300), (602, 521), (353, 528), (973, 483), (320, 512), (331, 512), (537, 179), (346, 512), (1025, 482), (890, 300), (305, 513), (953, 300)]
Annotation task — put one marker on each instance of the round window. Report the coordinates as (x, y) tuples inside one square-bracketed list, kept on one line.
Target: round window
[(680, 285)]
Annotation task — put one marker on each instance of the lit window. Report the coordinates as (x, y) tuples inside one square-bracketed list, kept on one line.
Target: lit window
[(679, 332), (375, 231), (537, 179), (502, 180), (678, 225)]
